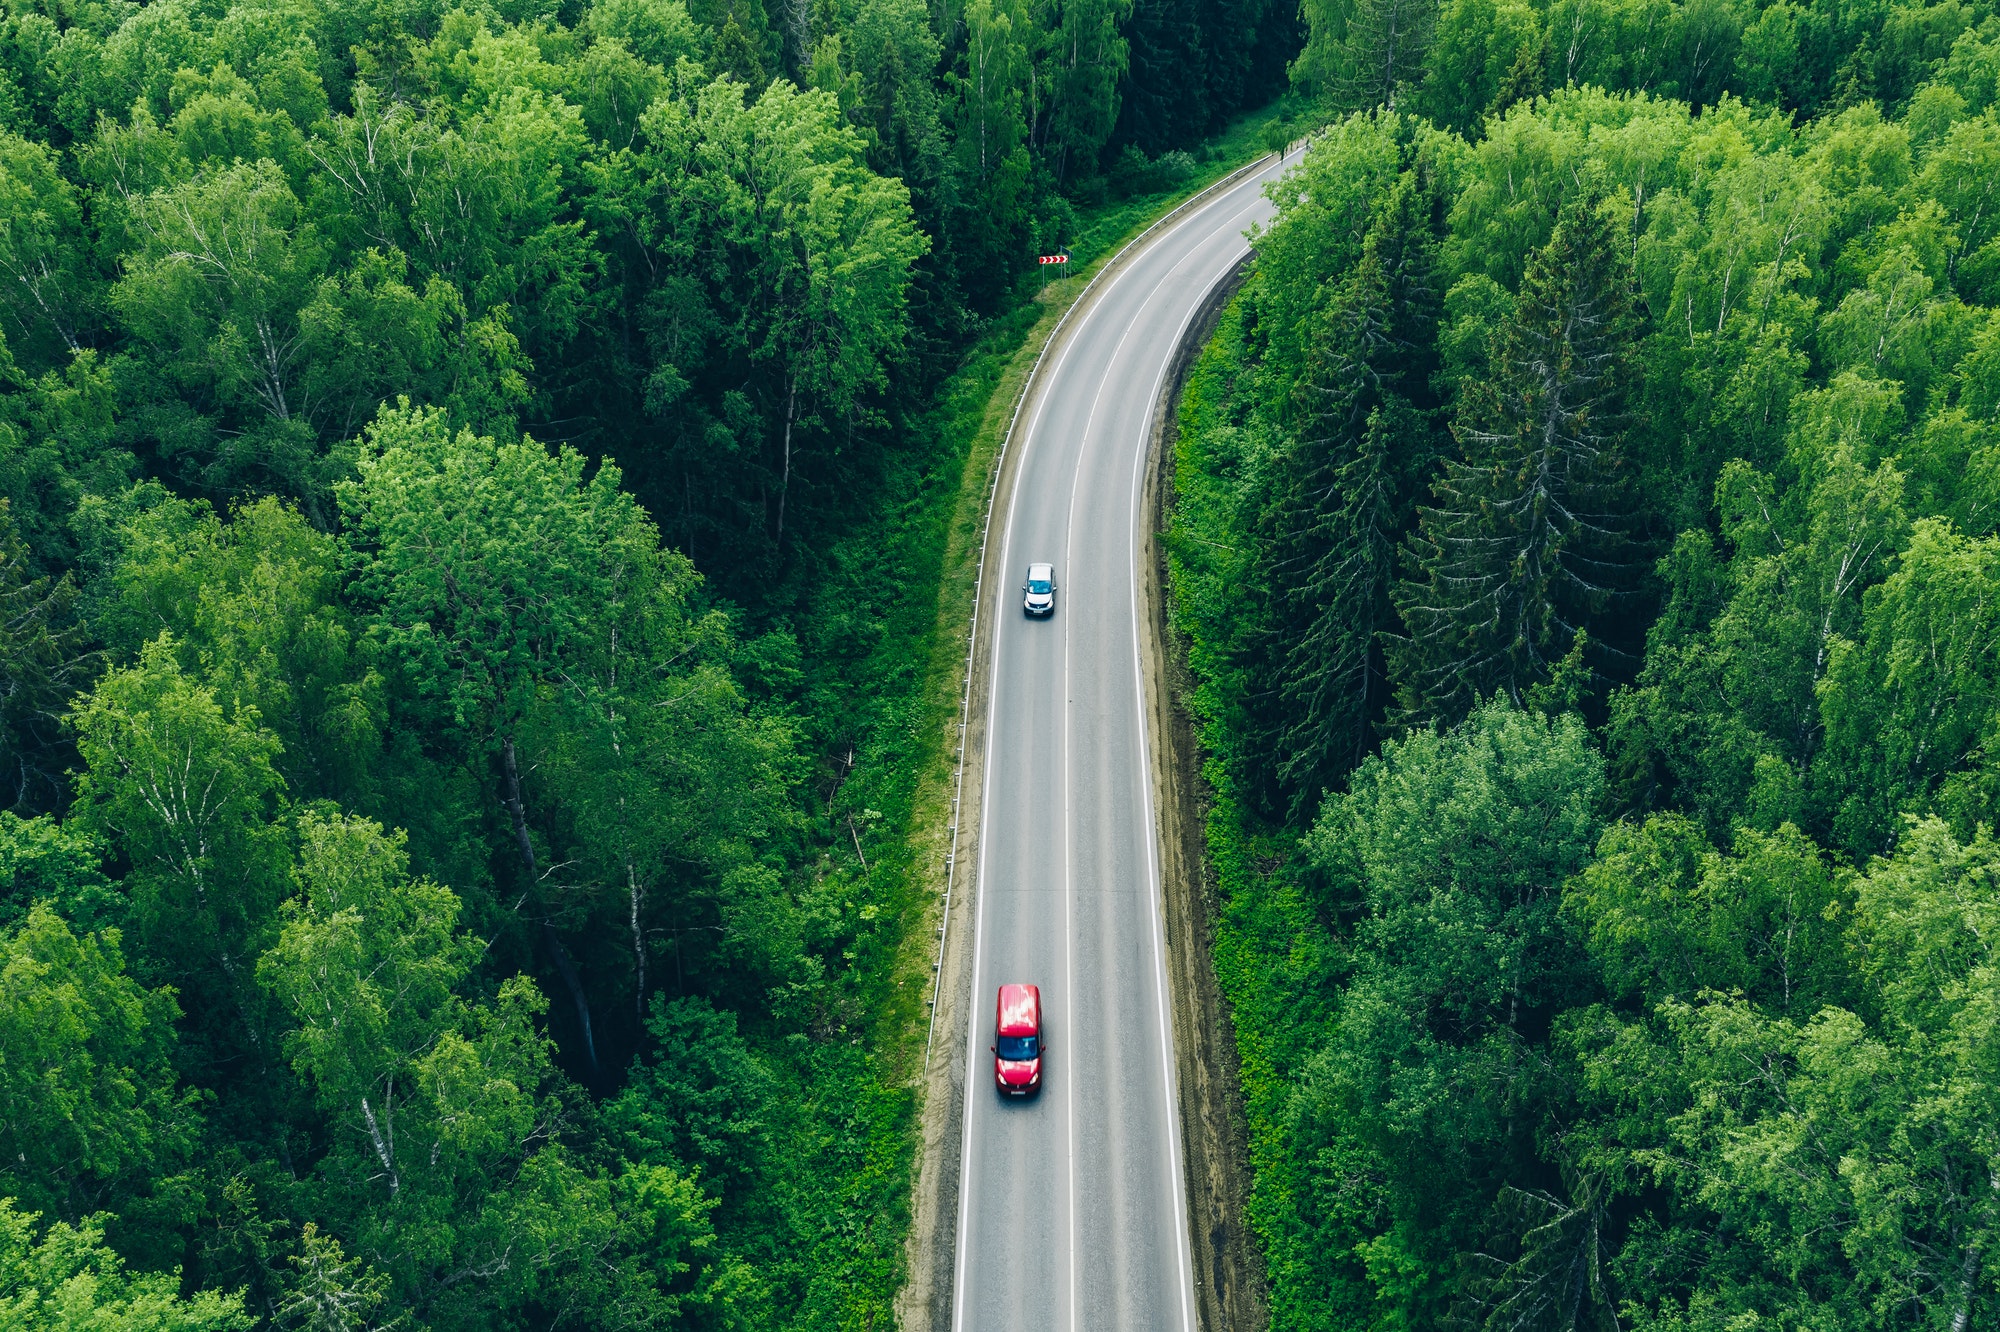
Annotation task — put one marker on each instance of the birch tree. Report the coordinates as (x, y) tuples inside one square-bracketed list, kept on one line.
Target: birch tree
[(822, 245), (444, 1170), (188, 792), (88, 1104), (487, 565)]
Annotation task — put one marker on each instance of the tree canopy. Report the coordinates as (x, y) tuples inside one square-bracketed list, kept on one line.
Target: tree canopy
[(473, 493), (1595, 651)]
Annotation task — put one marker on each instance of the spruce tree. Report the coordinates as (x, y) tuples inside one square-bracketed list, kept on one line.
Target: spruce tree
[(1524, 81), (1362, 441), (1528, 543), (736, 54), (1164, 102), (1385, 49)]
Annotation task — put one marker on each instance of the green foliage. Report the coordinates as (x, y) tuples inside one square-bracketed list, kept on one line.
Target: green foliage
[(489, 561), (51, 287), (86, 1082), (354, 721), (1668, 918), (990, 129), (187, 790), (254, 605), (1321, 227), (43, 656), (1482, 53), (442, 1167), (333, 1294), (44, 861), (1364, 412), (1526, 547), (1636, 980), (67, 1279), (1382, 55), (1907, 706), (1842, 1101), (1448, 848), (704, 1100)]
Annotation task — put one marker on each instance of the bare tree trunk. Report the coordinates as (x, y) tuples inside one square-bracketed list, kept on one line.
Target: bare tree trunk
[(1968, 1274), (785, 477), (382, 1153), (798, 31), (1961, 1317), (512, 796), (840, 780), (638, 941), (560, 955), (857, 844)]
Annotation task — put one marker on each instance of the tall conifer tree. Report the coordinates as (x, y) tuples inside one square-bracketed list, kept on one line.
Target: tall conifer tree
[(1363, 441), (1387, 42), (1528, 543)]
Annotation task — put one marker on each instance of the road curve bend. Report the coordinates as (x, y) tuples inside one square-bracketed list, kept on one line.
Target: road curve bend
[(1072, 1207)]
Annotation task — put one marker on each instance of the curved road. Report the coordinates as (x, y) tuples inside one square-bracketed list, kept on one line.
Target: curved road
[(1071, 1206)]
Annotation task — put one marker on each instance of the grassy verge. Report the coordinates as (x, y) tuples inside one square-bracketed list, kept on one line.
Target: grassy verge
[(851, 1125), (1275, 960), (1105, 228)]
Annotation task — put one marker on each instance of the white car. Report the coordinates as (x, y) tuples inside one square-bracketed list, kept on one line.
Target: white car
[(1040, 590)]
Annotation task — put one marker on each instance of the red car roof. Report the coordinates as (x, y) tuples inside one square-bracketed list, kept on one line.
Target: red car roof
[(1020, 1010)]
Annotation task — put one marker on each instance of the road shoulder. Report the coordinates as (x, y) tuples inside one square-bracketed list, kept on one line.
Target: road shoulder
[(1230, 1289), (924, 1305)]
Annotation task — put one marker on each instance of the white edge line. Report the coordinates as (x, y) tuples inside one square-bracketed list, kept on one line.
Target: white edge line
[(1139, 686), (1219, 191), (1069, 880), (1174, 1144)]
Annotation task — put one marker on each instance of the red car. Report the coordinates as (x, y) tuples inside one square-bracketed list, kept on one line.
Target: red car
[(1019, 1047)]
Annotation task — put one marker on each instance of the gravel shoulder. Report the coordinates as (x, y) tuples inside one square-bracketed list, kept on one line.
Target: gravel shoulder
[(1228, 1269)]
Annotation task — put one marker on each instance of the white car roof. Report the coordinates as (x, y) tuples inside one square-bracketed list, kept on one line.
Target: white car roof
[(1041, 571)]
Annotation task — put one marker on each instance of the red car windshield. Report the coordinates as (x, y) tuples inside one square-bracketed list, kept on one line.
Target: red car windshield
[(1016, 1047)]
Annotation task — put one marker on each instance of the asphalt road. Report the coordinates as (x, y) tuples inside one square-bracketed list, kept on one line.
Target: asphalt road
[(1071, 1206)]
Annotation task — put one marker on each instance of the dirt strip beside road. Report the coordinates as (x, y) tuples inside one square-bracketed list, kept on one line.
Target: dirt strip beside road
[(925, 1302), (1229, 1278)]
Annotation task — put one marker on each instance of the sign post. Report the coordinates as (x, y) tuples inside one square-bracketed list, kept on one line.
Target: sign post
[(1059, 257)]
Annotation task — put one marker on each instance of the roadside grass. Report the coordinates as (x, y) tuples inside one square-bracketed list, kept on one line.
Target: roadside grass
[(1105, 228), (850, 1121), (1275, 959)]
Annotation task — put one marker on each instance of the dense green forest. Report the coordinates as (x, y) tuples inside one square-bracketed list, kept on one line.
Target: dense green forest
[(473, 481), (1587, 541)]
